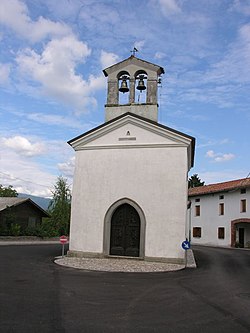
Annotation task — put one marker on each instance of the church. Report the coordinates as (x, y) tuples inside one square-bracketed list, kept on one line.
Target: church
[(130, 188)]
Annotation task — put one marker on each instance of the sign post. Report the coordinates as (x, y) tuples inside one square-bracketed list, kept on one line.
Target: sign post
[(63, 240), (186, 246)]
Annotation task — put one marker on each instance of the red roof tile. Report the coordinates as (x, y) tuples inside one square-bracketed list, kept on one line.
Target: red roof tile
[(219, 187)]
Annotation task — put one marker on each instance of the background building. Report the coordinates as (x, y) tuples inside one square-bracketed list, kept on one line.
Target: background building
[(220, 214), (19, 211)]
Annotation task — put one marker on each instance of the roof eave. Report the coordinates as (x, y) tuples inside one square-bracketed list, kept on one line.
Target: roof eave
[(71, 142)]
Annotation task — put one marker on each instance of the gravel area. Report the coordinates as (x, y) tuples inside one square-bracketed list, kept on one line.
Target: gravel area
[(116, 265)]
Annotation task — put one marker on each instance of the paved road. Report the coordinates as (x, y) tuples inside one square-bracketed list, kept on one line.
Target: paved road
[(38, 296)]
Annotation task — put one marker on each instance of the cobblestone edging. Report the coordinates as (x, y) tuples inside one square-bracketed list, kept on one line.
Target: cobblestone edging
[(117, 265)]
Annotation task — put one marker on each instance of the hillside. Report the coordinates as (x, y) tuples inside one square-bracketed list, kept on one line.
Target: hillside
[(40, 201)]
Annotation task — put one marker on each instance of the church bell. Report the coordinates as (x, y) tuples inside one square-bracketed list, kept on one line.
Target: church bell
[(124, 86), (141, 86)]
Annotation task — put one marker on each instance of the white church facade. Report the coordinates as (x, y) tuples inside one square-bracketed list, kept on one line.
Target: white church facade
[(130, 185)]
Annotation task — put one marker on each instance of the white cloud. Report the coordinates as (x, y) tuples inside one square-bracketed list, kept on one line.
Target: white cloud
[(23, 146), (28, 175), (139, 45), (25, 175), (213, 142), (4, 73), (188, 115), (159, 55), (235, 66), (67, 168), (52, 119), (108, 59), (15, 15), (97, 82), (55, 72), (169, 7), (241, 6), (219, 157), (212, 177)]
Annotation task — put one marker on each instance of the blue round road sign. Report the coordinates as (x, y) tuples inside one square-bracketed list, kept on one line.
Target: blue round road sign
[(185, 245)]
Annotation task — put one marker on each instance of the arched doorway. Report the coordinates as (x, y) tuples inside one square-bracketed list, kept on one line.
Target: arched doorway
[(107, 225), (238, 229), (125, 232)]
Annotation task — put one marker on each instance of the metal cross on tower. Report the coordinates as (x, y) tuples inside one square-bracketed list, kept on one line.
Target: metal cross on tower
[(134, 51)]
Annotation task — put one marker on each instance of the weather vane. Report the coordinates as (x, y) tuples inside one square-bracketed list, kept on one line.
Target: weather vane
[(134, 51)]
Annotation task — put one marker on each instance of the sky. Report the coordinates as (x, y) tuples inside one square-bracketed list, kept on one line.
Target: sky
[(52, 87)]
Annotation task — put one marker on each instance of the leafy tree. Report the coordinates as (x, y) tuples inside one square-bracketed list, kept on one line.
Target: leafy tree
[(194, 181), (60, 206), (7, 191)]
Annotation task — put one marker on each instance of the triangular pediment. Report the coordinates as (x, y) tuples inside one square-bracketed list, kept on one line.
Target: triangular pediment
[(133, 131), (130, 130), (134, 61)]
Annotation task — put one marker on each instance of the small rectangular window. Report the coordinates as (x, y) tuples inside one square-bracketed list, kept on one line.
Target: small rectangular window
[(197, 210), (243, 190), (197, 200), (221, 233), (197, 232), (221, 197), (243, 206), (221, 209)]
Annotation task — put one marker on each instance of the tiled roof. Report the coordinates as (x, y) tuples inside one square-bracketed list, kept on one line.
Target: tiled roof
[(15, 201), (219, 187), (10, 201)]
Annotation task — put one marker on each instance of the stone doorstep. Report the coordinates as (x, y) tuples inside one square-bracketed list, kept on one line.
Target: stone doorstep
[(96, 255)]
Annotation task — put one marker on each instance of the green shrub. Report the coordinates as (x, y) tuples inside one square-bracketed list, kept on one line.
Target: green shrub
[(46, 229), (30, 231), (4, 230), (15, 229)]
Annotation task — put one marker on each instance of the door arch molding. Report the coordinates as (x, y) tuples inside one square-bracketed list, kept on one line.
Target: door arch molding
[(233, 228), (107, 225)]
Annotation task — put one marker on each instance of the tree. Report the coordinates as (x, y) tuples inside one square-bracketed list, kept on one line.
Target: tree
[(7, 191), (60, 206), (194, 181)]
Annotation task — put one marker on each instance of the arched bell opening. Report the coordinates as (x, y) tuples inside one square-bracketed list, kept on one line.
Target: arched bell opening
[(141, 87), (123, 79)]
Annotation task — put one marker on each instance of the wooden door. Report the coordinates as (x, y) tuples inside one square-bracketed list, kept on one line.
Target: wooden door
[(125, 232), (241, 237)]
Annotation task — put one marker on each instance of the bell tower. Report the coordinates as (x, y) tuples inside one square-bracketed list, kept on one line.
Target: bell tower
[(132, 87)]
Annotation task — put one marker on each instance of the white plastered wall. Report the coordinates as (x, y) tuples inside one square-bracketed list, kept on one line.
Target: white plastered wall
[(155, 178), (210, 219)]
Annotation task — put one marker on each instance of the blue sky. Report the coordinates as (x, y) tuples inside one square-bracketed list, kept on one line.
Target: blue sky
[(52, 87)]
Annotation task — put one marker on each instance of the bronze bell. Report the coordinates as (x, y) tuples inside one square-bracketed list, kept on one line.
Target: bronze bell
[(141, 86), (124, 87)]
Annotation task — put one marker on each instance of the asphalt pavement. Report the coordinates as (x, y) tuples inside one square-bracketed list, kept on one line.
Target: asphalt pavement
[(37, 295)]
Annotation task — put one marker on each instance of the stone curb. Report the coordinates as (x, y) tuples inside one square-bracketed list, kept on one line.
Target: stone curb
[(3, 243), (191, 263), (117, 265), (123, 265)]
